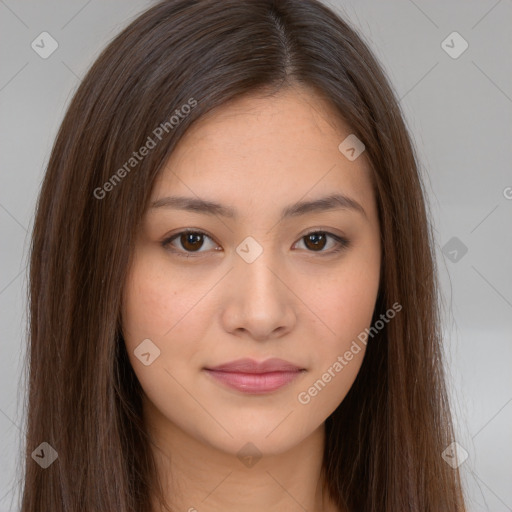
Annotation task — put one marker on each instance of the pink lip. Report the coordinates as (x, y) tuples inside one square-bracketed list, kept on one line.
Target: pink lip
[(249, 376), (252, 366)]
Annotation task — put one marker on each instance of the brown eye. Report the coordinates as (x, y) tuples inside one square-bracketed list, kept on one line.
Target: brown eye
[(316, 241), (190, 242)]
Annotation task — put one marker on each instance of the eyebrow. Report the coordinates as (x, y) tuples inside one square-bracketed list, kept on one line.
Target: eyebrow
[(327, 203)]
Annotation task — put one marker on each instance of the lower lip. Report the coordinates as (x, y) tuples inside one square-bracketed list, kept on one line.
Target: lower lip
[(255, 383)]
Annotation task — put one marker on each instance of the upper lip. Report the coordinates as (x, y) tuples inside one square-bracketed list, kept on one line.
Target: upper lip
[(252, 366)]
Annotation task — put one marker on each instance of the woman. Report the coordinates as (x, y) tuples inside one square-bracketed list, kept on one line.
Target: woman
[(232, 284)]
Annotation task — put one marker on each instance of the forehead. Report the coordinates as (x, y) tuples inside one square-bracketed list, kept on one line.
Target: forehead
[(266, 147)]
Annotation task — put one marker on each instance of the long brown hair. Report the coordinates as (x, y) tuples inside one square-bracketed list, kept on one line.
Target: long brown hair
[(384, 441)]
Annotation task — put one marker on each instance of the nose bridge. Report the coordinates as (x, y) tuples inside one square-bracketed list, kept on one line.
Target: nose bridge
[(256, 268), (260, 304)]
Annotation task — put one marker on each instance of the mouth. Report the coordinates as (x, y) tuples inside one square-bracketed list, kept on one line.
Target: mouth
[(249, 376)]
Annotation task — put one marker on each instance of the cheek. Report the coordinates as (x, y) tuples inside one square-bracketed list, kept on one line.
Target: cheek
[(160, 307), (344, 306), (337, 357), (166, 308), (154, 302), (344, 310)]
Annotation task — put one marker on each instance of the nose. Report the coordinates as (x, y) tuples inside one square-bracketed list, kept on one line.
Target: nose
[(260, 304)]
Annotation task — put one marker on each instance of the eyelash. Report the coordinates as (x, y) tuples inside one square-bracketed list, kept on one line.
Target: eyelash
[(342, 243)]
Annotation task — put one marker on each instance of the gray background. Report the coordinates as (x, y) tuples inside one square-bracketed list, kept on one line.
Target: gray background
[(459, 112)]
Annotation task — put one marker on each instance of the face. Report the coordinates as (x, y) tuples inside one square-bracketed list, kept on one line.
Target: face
[(255, 278)]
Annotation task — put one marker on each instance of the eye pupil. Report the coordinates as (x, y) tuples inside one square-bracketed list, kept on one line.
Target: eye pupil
[(314, 238), (189, 239)]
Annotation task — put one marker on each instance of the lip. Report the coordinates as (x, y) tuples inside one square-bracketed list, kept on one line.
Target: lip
[(253, 377), (252, 366)]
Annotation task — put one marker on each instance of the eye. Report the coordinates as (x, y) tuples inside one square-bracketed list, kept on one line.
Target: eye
[(317, 241), (192, 240)]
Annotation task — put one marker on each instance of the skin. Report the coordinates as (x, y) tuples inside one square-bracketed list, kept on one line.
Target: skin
[(296, 302)]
